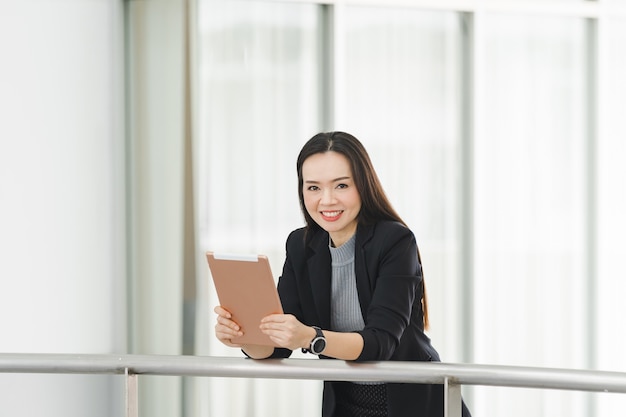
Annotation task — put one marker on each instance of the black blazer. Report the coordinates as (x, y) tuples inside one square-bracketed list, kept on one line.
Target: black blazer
[(389, 285)]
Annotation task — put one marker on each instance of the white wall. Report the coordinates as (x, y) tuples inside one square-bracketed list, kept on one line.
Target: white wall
[(61, 198)]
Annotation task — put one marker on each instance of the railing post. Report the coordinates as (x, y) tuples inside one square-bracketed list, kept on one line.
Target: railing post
[(451, 398), (132, 397)]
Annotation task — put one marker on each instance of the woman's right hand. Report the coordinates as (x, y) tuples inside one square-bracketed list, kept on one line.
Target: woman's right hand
[(225, 328)]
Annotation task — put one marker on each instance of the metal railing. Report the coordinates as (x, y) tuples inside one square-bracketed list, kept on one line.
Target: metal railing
[(452, 376)]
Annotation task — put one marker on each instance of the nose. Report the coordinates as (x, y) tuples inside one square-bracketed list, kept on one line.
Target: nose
[(328, 197)]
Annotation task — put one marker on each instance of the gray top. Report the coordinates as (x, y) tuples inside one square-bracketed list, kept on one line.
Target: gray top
[(345, 311)]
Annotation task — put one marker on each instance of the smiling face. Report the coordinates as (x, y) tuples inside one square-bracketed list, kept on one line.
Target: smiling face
[(330, 195)]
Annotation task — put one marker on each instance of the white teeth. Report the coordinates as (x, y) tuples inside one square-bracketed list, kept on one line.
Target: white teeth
[(331, 213)]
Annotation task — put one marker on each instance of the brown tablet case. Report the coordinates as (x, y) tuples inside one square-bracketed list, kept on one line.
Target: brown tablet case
[(246, 288)]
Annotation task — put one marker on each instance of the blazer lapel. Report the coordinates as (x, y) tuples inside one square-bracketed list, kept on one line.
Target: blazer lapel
[(319, 269), (364, 284)]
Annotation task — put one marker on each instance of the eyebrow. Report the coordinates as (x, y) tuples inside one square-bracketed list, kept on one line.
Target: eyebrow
[(335, 180)]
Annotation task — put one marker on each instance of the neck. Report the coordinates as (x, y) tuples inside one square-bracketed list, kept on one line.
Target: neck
[(338, 239)]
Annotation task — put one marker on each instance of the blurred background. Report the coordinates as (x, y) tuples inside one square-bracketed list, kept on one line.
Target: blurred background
[(136, 135)]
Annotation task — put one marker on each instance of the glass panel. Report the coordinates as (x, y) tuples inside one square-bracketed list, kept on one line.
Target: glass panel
[(611, 309), (530, 204), (258, 103), (402, 94)]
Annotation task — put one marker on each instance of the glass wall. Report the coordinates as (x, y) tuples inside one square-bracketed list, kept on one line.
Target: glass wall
[(259, 81), (611, 222), (530, 202), (401, 88), (259, 100), (499, 139)]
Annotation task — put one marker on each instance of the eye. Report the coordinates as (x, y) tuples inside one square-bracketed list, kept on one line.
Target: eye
[(313, 188), (342, 186)]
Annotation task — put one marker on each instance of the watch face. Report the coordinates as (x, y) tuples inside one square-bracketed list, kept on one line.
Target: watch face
[(319, 345)]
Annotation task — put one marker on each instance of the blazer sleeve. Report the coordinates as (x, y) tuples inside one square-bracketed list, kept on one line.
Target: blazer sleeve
[(394, 269)]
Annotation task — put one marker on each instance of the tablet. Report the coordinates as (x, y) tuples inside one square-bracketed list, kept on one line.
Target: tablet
[(245, 287)]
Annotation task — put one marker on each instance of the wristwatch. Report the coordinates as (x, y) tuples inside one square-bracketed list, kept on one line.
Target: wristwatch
[(318, 344)]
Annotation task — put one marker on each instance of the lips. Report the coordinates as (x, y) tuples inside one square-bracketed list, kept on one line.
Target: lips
[(331, 216)]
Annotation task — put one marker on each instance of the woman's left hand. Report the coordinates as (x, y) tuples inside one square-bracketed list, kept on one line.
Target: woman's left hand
[(286, 331)]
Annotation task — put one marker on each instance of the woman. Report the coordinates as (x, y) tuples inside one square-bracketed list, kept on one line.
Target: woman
[(351, 286)]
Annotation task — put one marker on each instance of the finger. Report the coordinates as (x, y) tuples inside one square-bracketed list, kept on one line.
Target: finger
[(225, 333), (220, 311), (277, 335), (227, 326), (273, 318), (227, 322)]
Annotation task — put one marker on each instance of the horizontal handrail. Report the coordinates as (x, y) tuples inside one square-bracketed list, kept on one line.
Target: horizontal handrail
[(389, 371)]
